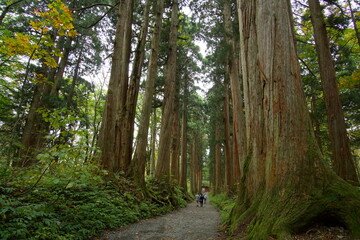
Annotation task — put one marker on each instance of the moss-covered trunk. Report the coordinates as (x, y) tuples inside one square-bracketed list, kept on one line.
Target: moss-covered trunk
[(286, 183)]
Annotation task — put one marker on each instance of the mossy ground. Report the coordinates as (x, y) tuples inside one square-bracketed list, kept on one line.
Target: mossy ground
[(287, 214)]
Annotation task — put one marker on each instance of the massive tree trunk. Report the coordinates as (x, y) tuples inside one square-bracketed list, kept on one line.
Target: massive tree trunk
[(163, 163), (110, 138), (232, 69), (287, 184), (343, 163), (140, 151)]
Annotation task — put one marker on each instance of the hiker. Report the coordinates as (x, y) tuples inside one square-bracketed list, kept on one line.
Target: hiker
[(197, 199), (205, 197), (201, 200)]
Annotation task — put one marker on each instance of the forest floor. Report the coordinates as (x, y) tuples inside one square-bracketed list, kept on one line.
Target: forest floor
[(188, 223), (193, 223)]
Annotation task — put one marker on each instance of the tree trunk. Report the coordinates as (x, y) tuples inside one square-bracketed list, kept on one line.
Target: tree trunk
[(175, 144), (232, 68), (35, 130), (228, 184), (163, 163), (183, 177), (140, 151), (133, 93), (193, 164), (110, 141), (287, 185), (343, 163), (153, 143), (217, 169)]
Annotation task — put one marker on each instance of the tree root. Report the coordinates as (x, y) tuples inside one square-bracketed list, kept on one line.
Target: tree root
[(280, 214)]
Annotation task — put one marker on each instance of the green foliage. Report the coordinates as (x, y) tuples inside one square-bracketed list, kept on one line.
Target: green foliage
[(224, 205), (74, 202)]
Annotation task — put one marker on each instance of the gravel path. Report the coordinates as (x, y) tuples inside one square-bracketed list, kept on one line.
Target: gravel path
[(189, 223)]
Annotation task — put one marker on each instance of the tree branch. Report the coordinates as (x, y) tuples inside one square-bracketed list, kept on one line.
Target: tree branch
[(94, 5), (6, 10), (97, 21)]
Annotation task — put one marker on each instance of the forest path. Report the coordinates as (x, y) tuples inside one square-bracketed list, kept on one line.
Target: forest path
[(188, 223)]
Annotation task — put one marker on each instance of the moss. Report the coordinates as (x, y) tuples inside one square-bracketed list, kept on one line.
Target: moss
[(280, 215)]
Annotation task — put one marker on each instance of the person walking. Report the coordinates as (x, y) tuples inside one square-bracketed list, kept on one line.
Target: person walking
[(201, 200), (197, 199)]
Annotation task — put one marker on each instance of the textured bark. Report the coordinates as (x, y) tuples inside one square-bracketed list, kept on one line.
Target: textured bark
[(227, 143), (133, 92), (217, 170), (286, 184), (183, 176), (153, 143), (343, 163), (140, 151), (175, 145), (110, 138), (35, 128), (163, 163), (196, 166), (193, 164), (233, 70)]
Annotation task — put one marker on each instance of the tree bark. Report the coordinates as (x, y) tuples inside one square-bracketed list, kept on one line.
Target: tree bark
[(183, 177), (140, 151), (153, 143), (233, 70), (286, 184), (193, 163), (217, 169), (163, 163), (343, 163), (110, 138), (133, 91), (228, 184), (175, 144)]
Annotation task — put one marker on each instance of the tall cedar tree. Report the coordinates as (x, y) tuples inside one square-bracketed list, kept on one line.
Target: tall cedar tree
[(233, 71), (286, 182), (139, 159), (112, 144), (163, 163), (343, 163)]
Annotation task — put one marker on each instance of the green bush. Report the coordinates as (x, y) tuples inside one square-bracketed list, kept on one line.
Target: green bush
[(223, 204), (72, 204)]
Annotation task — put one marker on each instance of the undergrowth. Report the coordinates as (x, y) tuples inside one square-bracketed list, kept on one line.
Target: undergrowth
[(224, 205), (75, 203)]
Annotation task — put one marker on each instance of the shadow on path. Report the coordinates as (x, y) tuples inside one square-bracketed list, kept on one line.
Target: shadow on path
[(189, 223)]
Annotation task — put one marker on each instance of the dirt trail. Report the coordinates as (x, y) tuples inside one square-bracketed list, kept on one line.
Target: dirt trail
[(189, 223)]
